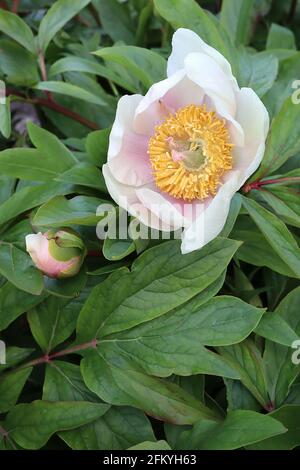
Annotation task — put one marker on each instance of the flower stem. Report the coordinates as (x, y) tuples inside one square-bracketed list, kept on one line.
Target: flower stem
[(15, 6), (47, 358), (65, 111), (258, 184), (51, 104)]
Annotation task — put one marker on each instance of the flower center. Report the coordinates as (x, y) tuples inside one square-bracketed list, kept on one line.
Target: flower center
[(189, 153)]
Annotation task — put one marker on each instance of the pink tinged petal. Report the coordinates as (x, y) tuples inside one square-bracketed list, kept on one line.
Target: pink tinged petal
[(127, 154), (163, 98), (132, 165), (37, 247), (254, 118), (123, 123), (186, 41), (126, 197), (212, 216)]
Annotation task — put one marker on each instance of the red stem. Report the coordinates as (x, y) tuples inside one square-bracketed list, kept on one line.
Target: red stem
[(3, 5), (95, 254), (66, 112), (15, 6), (258, 184), (51, 104), (47, 358)]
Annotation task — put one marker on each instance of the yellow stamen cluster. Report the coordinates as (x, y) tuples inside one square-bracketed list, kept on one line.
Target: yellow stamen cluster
[(189, 153)]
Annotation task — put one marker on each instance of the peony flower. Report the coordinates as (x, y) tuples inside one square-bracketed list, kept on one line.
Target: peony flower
[(57, 254), (178, 154)]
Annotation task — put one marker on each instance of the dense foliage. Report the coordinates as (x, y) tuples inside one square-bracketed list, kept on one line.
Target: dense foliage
[(145, 344)]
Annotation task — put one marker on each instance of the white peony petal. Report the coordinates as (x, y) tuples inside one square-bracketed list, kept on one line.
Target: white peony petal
[(127, 152), (126, 197), (254, 118), (212, 218), (206, 73), (186, 41), (220, 95), (165, 97), (123, 123), (166, 208)]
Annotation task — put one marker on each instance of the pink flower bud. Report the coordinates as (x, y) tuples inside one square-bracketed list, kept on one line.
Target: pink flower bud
[(57, 254)]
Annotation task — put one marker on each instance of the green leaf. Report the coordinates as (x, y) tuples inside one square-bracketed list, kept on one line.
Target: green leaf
[(255, 248), (108, 268), (59, 211), (280, 369), (15, 233), (29, 164), (188, 14), (240, 428), (7, 186), (14, 355), (289, 416), (29, 197), (64, 382), (115, 249), (284, 201), (84, 174), (257, 71), (97, 146), (116, 20), (50, 323), (55, 19), (17, 64), (5, 118), (276, 233), (69, 89), (18, 268), (31, 425), (11, 385), (122, 383), (14, 302), (68, 288), (119, 428), (236, 17), (283, 87), (238, 396), (80, 64), (283, 140), (246, 359), (273, 327), (280, 37), (235, 206), (160, 279), (146, 65), (148, 445), (174, 343), (51, 148), (12, 25)]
